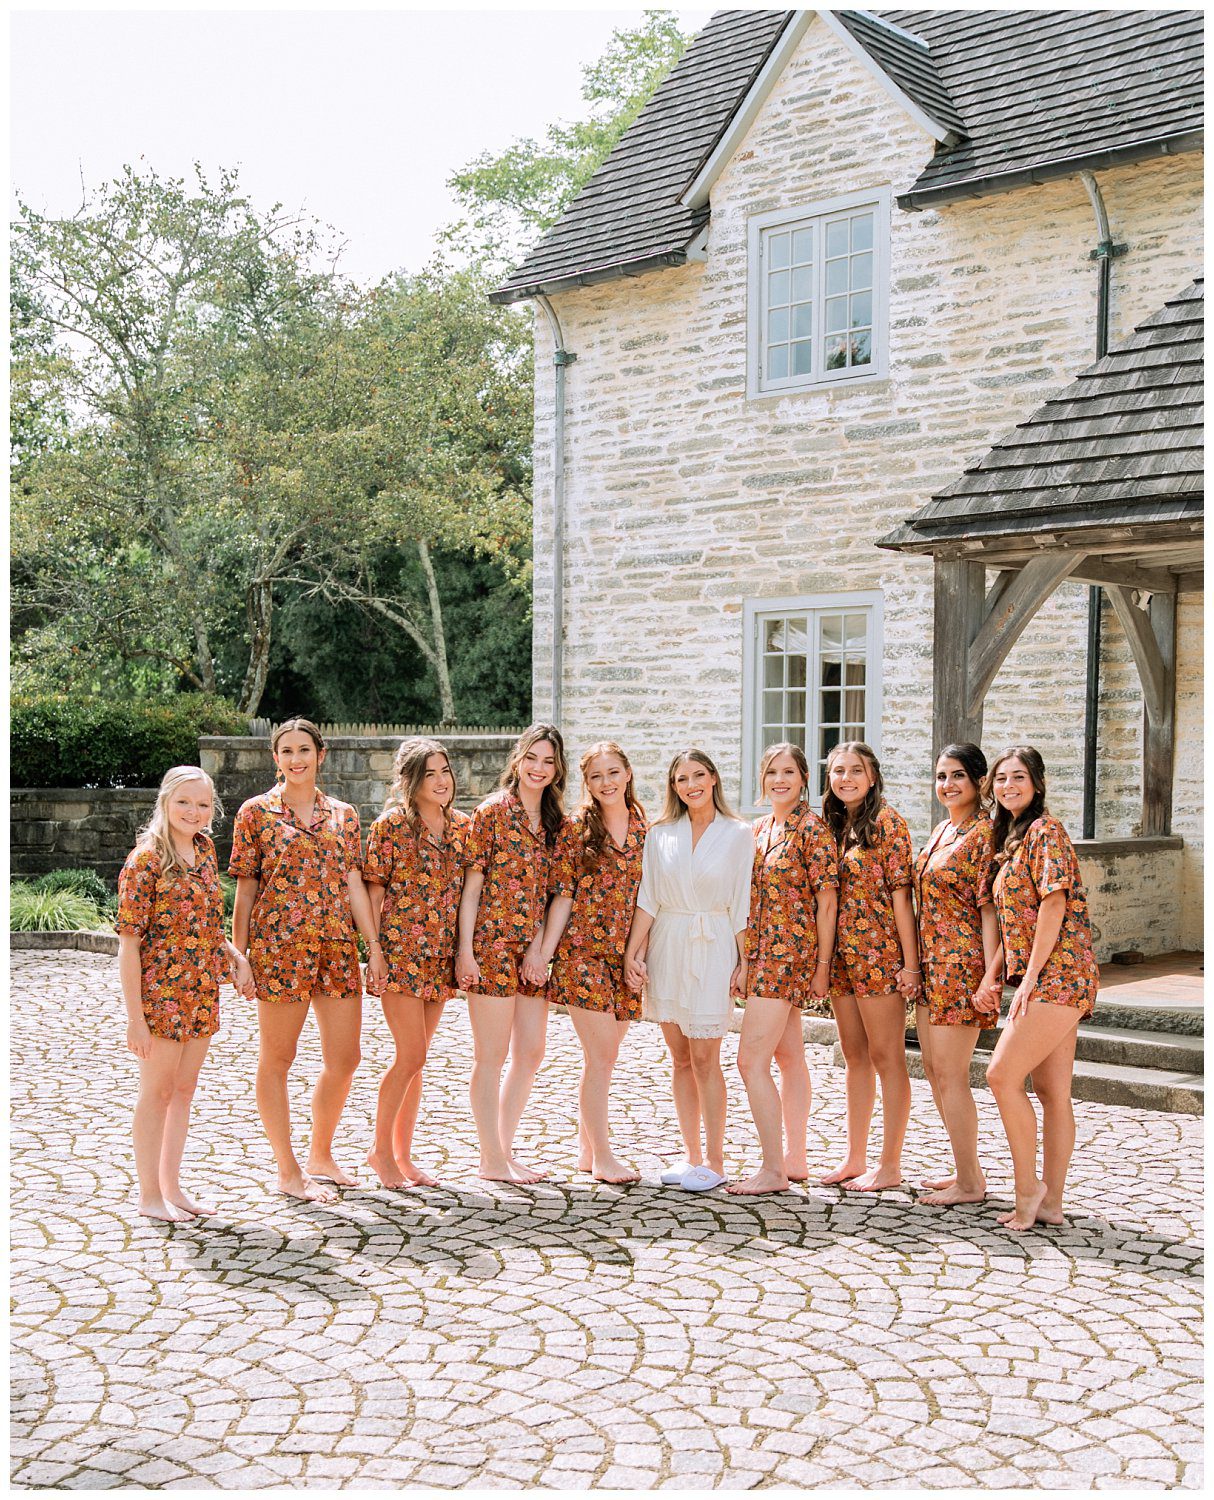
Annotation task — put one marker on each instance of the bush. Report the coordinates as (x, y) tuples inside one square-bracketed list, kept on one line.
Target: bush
[(228, 886), (32, 910), (86, 883), (60, 740)]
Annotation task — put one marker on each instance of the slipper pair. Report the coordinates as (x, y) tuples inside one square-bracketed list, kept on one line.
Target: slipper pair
[(693, 1179)]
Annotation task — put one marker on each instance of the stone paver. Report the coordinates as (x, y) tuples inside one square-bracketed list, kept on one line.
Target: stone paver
[(574, 1334)]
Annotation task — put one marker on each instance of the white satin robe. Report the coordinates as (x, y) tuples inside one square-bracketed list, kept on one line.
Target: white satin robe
[(698, 900)]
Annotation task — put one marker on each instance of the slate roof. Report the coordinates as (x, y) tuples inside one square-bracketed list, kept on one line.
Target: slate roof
[(1121, 444), (1031, 94)]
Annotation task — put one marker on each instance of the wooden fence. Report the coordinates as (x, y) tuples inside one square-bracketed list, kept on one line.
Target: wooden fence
[(262, 728)]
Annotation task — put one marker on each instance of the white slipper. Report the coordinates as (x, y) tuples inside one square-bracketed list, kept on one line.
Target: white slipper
[(673, 1176), (701, 1180)]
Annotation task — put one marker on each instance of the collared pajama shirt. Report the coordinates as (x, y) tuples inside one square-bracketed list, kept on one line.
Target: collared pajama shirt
[(791, 865), (422, 878), (1045, 862), (951, 887), (177, 915), (868, 951)]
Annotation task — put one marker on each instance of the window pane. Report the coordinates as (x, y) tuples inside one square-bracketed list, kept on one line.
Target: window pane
[(836, 353), (777, 362), (829, 672), (797, 638), (777, 251), (832, 630), (803, 283), (772, 735), (775, 635), (794, 708), (777, 325), (853, 711), (802, 246), (777, 288), (796, 671), (862, 349), (862, 232), (861, 270), (836, 237), (795, 735), (827, 740), (836, 314), (773, 708), (802, 361), (773, 671), (802, 320), (832, 706), (861, 310), (836, 276), (856, 628)]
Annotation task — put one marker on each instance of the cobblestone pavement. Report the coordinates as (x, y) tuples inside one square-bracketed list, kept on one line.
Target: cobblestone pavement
[(574, 1334)]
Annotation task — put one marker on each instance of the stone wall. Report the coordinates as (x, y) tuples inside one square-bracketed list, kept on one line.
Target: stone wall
[(63, 828), (1134, 894)]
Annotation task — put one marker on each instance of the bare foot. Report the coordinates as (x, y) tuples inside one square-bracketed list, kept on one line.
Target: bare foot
[(181, 1199), (327, 1170), (300, 1185), (765, 1180), (387, 1169), (507, 1171), (796, 1169), (585, 1162), (954, 1194), (841, 1174), (158, 1208), (1024, 1215), (417, 1176), (611, 1169), (938, 1184), (874, 1180), (1050, 1213), (526, 1175)]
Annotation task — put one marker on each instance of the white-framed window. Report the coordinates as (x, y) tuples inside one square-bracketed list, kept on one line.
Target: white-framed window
[(811, 674), (818, 294)]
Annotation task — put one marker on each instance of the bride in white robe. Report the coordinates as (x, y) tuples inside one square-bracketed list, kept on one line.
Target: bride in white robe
[(686, 948)]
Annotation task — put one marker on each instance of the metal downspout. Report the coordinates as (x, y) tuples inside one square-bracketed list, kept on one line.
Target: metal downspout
[(1104, 254), (561, 359)]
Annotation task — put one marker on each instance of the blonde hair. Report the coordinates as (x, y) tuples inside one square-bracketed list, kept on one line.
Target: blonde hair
[(408, 774), (552, 799), (155, 833), (675, 807), (594, 834), (785, 747)]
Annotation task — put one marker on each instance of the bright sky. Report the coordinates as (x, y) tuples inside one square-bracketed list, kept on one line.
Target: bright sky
[(356, 117)]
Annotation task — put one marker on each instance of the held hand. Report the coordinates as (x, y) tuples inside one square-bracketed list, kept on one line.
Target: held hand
[(909, 982), (737, 980), (467, 972), (533, 969), (819, 985), (636, 975), (242, 977), (988, 997), (1020, 1000), (377, 970), (139, 1038)]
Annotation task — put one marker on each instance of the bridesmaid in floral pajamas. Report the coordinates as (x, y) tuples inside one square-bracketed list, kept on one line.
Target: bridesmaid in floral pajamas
[(793, 904), (414, 869), (595, 876), (961, 957), (172, 956), (296, 855), (507, 868), (1047, 951), (876, 962)]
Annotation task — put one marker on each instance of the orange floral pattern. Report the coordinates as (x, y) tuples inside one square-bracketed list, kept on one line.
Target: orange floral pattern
[(791, 866), (517, 865), (177, 915), (301, 932), (868, 952), (588, 969), (1045, 862), (952, 883), (423, 877)]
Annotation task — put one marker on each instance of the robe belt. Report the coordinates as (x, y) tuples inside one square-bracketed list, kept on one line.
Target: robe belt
[(699, 935)]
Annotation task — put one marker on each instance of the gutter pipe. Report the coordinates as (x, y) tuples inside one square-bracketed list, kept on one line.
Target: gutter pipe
[(561, 360)]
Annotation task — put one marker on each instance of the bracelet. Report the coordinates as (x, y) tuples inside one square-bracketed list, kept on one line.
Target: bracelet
[(905, 970)]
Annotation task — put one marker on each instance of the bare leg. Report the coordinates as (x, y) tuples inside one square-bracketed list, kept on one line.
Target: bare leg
[(404, 1015), (686, 1096), (279, 1027), (710, 1090), (951, 1049), (1028, 1042), (795, 1096), (177, 1124), (491, 1018), (406, 1116), (339, 1018), (600, 1035), (527, 1038), (763, 1024), (923, 1026), (884, 1018), (156, 1074), (860, 1081)]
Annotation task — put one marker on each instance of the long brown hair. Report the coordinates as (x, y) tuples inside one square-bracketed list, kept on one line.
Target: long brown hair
[(675, 807), (862, 826), (594, 831), (301, 726), (785, 747), (552, 799), (408, 774), (1009, 831)]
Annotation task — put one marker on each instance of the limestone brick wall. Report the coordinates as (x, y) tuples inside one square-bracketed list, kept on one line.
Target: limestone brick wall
[(1134, 894), (685, 498), (69, 828), (1188, 787)]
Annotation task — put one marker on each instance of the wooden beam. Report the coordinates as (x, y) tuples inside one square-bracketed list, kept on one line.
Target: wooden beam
[(1104, 571), (1159, 736), (1148, 658), (959, 589), (1014, 603)]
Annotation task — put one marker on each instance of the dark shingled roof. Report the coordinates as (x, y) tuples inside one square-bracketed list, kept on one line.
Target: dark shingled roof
[(1030, 94), (1122, 444)]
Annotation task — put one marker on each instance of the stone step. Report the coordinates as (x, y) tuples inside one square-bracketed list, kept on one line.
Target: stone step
[(1141, 1049), (1136, 1013)]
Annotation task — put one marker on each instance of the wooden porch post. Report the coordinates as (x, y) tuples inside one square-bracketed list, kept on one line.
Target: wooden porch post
[(1159, 735), (960, 595)]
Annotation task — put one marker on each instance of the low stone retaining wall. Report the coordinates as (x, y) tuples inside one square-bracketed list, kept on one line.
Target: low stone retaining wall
[(77, 942), (73, 828), (1134, 893)]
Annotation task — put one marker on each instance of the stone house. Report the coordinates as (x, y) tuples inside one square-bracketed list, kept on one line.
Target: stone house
[(868, 404)]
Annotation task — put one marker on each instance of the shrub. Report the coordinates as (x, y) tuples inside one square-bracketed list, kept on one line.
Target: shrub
[(61, 740), (32, 910), (228, 886), (86, 883)]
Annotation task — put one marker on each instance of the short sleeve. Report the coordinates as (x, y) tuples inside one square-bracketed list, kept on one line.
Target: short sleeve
[(1050, 858), (246, 849), (984, 862), (136, 895), (562, 878), (379, 860), (897, 856), (647, 890), (478, 840), (821, 858), (352, 840)]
